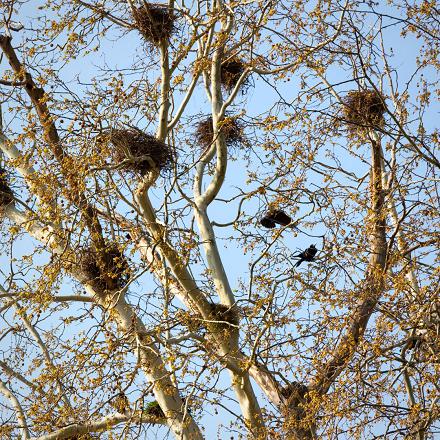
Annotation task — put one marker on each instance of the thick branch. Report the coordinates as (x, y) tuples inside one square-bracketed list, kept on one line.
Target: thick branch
[(104, 423), (372, 285), (166, 394)]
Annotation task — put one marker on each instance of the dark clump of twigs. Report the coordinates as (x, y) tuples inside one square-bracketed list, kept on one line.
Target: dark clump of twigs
[(230, 127), (153, 409), (106, 269), (363, 109), (231, 71), (140, 152), (224, 316), (154, 21), (294, 393), (220, 318), (6, 194)]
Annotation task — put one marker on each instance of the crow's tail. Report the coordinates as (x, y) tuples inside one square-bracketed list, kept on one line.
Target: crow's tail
[(299, 262)]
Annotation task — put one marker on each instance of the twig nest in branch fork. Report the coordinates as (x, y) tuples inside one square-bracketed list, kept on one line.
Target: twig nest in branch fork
[(153, 409), (6, 194), (154, 21), (294, 393), (107, 270), (363, 109), (140, 152), (224, 316), (230, 127), (231, 71)]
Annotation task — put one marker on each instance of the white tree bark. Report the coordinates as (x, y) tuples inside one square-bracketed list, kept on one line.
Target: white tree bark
[(18, 410), (167, 395)]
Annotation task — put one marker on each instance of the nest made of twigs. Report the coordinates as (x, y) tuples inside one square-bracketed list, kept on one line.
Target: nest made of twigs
[(108, 270), (294, 393), (363, 109), (154, 21), (230, 127), (140, 152), (6, 194), (231, 71), (224, 316), (221, 317), (153, 409)]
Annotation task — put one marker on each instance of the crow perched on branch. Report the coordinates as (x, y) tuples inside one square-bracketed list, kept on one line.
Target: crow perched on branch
[(307, 255)]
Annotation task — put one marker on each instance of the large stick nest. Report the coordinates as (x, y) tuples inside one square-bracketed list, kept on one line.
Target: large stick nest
[(153, 409), (363, 109), (154, 21), (6, 194), (140, 152), (230, 127), (231, 71), (221, 317), (225, 316), (106, 270)]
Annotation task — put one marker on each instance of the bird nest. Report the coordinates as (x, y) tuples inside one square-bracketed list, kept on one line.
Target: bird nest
[(109, 272), (140, 152), (6, 194), (294, 393), (363, 109), (154, 21), (231, 71), (224, 316), (230, 127), (153, 409)]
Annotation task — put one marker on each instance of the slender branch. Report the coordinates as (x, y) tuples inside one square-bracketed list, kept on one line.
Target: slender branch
[(17, 376), (33, 331), (18, 409)]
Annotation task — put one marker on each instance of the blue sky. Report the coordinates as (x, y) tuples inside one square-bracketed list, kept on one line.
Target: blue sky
[(119, 54)]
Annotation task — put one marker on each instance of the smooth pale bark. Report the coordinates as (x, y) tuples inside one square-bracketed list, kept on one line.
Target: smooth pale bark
[(215, 264), (151, 255), (158, 234), (18, 410), (245, 395), (166, 394), (162, 129), (12, 373), (98, 425)]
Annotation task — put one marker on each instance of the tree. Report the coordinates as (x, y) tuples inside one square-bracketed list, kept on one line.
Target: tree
[(142, 145)]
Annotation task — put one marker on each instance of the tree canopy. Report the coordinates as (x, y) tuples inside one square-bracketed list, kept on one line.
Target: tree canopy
[(219, 219)]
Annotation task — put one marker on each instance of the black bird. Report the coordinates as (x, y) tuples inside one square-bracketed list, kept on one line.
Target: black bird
[(280, 217), (267, 222), (307, 255), (273, 218)]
